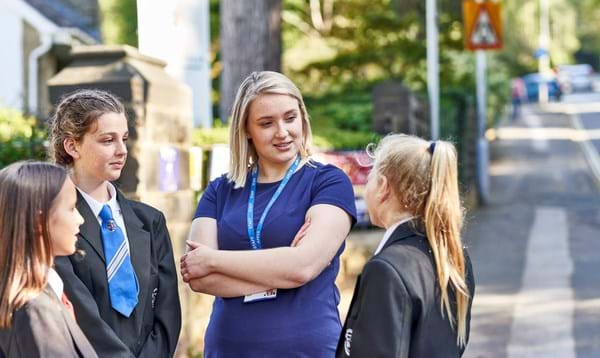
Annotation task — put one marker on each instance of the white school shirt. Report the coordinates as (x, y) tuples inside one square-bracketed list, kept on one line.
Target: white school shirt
[(56, 283), (96, 207), (389, 233)]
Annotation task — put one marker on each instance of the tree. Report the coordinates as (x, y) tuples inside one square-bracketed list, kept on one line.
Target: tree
[(250, 41), (119, 21)]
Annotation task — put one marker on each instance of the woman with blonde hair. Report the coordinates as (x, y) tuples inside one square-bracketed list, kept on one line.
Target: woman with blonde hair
[(38, 221), (267, 236), (413, 298)]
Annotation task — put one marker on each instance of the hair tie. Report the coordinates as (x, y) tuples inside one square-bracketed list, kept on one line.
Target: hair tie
[(431, 147)]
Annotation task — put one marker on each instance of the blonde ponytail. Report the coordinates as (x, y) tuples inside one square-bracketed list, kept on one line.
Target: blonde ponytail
[(443, 223)]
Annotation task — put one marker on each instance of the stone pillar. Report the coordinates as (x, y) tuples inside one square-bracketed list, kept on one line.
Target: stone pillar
[(159, 110), (396, 109)]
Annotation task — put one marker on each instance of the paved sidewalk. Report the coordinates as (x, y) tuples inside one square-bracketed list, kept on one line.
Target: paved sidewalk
[(536, 246)]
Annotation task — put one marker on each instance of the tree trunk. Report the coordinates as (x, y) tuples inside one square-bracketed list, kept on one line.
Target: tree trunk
[(273, 36), (250, 41)]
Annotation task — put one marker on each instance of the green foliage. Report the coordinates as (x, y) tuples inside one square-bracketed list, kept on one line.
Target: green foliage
[(376, 40), (19, 138), (347, 110), (119, 22), (337, 139), (370, 40), (570, 22), (205, 137), (588, 12)]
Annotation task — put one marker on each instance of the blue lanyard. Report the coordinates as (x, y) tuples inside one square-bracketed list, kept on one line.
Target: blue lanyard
[(252, 235)]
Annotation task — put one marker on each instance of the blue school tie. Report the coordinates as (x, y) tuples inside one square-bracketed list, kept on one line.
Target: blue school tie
[(122, 283)]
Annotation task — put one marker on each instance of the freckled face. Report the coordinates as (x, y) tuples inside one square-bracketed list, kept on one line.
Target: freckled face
[(102, 152), (274, 126), (64, 220)]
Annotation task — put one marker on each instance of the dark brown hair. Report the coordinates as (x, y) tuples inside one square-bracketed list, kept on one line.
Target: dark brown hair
[(75, 114), (27, 193)]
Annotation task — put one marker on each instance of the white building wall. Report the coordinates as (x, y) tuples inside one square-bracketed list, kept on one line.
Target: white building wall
[(12, 89), (178, 32)]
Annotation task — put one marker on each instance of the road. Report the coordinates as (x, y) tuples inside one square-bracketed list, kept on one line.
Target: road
[(536, 246)]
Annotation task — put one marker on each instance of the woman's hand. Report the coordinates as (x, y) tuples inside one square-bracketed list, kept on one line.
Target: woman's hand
[(196, 263), (301, 233)]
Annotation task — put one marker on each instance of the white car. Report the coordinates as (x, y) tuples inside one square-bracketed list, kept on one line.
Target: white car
[(575, 78)]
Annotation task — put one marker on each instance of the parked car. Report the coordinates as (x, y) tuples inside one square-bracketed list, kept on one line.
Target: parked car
[(596, 82), (362, 214), (532, 83), (575, 78)]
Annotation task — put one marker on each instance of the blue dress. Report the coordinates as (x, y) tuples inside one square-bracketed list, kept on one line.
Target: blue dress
[(300, 322)]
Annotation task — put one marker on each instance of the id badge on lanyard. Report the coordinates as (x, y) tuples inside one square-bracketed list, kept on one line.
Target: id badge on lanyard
[(254, 235)]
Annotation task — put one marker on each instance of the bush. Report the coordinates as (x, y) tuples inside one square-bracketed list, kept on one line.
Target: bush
[(205, 137), (20, 138), (342, 121)]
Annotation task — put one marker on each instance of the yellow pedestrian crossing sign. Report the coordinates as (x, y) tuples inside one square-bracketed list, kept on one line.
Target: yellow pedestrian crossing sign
[(482, 24)]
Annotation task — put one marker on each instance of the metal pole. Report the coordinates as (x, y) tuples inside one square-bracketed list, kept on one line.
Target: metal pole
[(482, 144), (433, 69), (544, 56)]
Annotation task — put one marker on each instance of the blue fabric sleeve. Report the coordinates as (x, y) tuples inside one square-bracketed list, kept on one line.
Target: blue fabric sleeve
[(207, 206), (332, 186)]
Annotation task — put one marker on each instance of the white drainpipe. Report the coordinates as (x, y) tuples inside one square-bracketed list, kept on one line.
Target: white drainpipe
[(34, 58)]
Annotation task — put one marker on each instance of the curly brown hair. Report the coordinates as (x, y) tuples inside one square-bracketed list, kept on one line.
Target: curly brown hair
[(75, 115)]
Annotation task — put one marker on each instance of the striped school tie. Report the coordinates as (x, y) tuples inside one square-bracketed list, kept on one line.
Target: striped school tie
[(122, 283)]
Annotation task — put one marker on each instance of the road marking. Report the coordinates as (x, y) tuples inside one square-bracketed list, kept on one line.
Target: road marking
[(591, 155), (543, 316), (539, 140)]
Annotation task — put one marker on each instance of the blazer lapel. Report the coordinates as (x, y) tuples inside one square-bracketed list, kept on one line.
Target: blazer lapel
[(79, 340), (90, 229), (140, 249)]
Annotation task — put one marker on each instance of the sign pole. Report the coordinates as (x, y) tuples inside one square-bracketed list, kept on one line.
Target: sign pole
[(544, 58), (482, 144), (483, 31), (433, 71)]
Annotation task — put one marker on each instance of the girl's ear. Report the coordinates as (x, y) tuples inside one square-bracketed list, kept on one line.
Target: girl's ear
[(383, 189), (71, 147)]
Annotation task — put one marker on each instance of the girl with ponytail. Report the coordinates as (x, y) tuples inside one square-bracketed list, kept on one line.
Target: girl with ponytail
[(413, 298)]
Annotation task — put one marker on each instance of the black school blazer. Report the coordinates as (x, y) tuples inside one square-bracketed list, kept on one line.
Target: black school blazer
[(395, 309), (43, 328), (153, 328)]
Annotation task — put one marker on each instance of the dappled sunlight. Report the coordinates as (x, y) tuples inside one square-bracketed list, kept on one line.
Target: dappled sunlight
[(492, 303), (549, 133), (570, 108)]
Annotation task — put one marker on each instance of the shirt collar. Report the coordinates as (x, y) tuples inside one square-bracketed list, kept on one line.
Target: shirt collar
[(388, 233), (55, 282), (95, 205)]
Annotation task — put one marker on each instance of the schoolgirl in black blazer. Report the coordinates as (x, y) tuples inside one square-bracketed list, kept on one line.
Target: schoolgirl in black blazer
[(413, 297), (135, 313), (153, 328)]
